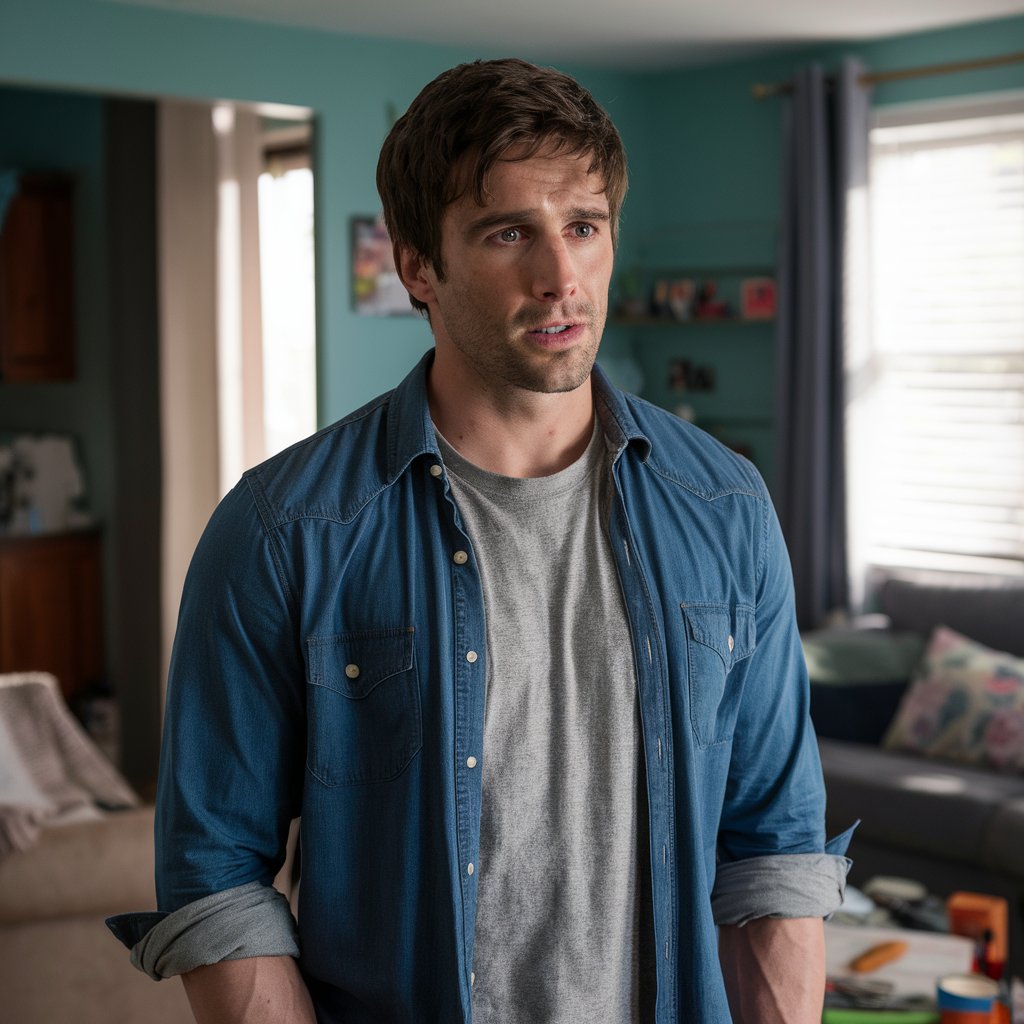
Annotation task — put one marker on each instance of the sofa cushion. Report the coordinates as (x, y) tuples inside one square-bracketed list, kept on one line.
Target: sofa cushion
[(966, 703), (94, 867), (858, 677), (838, 657), (989, 611), (911, 803), (860, 713)]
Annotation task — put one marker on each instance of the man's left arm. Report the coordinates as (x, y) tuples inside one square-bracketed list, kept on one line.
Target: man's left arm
[(776, 877), (774, 970)]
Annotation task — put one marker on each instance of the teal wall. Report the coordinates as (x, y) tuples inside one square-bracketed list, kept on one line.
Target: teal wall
[(712, 176)]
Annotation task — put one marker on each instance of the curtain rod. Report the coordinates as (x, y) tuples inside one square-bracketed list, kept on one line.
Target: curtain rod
[(762, 91)]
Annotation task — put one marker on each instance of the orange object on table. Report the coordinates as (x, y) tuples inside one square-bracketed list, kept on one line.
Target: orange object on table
[(878, 956), (985, 919), (999, 1014)]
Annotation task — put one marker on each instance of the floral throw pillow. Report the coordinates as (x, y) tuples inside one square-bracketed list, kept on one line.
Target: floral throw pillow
[(965, 703)]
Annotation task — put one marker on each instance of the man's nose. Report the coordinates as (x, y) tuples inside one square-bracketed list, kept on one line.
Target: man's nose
[(553, 271)]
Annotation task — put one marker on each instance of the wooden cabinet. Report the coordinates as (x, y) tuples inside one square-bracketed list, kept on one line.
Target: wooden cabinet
[(51, 607), (36, 282)]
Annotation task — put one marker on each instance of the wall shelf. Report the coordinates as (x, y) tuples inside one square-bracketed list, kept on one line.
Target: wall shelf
[(734, 353)]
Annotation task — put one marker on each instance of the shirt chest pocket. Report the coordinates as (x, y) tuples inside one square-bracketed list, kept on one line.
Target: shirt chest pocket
[(363, 706), (718, 636)]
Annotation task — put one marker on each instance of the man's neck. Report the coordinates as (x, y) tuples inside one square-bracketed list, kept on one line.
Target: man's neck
[(512, 432)]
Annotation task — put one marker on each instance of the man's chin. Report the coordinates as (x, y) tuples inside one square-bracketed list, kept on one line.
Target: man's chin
[(553, 380)]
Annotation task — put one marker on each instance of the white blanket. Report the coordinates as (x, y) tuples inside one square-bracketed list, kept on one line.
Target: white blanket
[(50, 770)]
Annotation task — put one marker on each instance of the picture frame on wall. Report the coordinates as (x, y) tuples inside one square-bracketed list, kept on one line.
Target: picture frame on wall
[(377, 290)]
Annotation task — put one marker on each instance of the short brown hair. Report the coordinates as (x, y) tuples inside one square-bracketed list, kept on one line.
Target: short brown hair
[(466, 120)]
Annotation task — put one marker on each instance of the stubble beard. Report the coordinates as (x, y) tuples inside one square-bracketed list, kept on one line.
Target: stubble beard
[(500, 359)]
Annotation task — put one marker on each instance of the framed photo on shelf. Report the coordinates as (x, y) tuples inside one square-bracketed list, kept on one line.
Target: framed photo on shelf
[(757, 298), (377, 289)]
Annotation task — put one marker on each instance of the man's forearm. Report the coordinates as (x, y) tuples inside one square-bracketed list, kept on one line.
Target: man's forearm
[(257, 990), (774, 970)]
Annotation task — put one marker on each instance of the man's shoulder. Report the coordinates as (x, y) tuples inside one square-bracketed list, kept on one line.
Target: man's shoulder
[(693, 458), (330, 474)]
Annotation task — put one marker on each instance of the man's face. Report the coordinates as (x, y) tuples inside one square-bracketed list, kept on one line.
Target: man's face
[(525, 294)]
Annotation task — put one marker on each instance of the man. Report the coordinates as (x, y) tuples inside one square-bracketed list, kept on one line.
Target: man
[(518, 648)]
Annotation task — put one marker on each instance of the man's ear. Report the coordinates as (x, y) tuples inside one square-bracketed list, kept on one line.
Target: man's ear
[(416, 273)]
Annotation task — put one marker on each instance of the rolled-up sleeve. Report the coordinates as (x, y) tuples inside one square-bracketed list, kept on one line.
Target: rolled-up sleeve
[(797, 885), (232, 756), (250, 920)]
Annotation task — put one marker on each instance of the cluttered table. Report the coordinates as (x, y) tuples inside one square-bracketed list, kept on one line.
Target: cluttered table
[(896, 955)]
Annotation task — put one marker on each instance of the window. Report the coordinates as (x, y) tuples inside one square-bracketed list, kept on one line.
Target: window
[(936, 427), (287, 284)]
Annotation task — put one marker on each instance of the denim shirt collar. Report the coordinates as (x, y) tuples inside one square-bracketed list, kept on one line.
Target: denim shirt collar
[(411, 430)]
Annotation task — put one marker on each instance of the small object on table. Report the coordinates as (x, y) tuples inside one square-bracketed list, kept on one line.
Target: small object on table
[(967, 999), (985, 919), (878, 956), (891, 889), (909, 903)]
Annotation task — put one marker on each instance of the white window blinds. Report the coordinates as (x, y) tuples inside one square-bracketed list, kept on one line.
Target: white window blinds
[(941, 396)]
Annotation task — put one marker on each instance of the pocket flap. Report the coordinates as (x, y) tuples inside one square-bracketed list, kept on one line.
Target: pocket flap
[(727, 629), (354, 663)]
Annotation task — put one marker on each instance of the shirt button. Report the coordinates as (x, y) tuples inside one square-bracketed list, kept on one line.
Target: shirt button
[(471, 657), (731, 642), (436, 470), (469, 869), (470, 762), (352, 671), (472, 978), (460, 558)]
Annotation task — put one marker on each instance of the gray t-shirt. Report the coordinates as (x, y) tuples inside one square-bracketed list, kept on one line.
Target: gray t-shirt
[(557, 902)]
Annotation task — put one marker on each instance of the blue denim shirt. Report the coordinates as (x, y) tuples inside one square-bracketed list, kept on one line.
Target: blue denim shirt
[(330, 663)]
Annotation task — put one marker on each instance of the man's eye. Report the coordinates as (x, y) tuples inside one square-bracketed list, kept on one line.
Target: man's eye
[(509, 235), (584, 230)]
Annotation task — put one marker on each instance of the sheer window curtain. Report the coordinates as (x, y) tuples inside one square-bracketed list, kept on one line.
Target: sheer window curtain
[(821, 315), (211, 389)]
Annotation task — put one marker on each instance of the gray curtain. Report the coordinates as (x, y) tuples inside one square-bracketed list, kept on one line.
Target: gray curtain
[(826, 127)]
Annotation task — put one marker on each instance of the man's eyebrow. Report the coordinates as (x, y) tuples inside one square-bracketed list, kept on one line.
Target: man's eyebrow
[(502, 217), (585, 213)]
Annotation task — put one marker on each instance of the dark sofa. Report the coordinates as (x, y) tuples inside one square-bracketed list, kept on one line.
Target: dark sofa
[(947, 825)]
